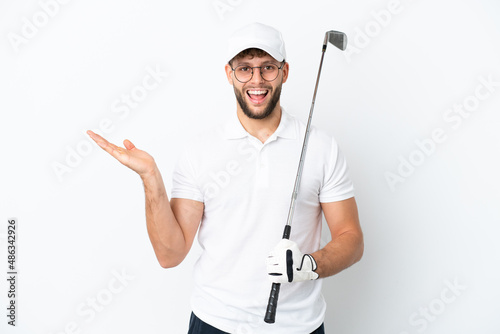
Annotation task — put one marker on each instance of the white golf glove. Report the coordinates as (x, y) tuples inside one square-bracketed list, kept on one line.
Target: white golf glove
[(286, 263)]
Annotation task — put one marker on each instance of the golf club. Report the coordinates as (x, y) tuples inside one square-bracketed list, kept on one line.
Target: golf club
[(339, 40)]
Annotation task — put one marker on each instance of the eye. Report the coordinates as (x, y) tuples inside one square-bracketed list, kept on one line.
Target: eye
[(243, 69), (269, 68)]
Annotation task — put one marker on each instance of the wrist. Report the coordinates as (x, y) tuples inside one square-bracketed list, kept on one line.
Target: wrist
[(150, 174)]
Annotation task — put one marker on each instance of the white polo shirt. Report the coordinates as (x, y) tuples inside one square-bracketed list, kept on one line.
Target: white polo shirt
[(246, 186)]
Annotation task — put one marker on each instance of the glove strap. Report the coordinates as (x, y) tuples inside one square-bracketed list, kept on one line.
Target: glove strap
[(313, 262)]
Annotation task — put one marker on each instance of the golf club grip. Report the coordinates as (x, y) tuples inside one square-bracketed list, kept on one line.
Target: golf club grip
[(286, 232), (272, 304)]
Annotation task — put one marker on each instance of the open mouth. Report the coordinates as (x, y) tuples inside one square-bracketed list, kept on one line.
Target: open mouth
[(257, 96)]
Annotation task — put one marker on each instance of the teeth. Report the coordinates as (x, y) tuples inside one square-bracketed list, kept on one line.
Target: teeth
[(257, 92)]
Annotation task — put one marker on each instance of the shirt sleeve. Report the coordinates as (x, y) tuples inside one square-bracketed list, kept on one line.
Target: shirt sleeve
[(337, 185), (184, 183)]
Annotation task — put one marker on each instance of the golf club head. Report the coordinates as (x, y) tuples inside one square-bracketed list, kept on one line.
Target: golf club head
[(337, 38)]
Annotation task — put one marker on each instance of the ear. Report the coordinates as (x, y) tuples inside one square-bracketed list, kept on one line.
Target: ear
[(229, 72), (285, 70)]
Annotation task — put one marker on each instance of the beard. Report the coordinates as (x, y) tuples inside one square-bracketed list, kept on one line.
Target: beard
[(267, 111)]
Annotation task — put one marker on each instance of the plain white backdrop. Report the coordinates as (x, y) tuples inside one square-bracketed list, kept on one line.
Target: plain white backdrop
[(414, 104)]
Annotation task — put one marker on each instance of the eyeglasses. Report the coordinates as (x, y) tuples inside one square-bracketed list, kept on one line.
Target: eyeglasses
[(244, 73)]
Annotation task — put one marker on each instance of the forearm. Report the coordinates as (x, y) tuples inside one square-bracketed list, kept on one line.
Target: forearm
[(164, 231), (339, 254)]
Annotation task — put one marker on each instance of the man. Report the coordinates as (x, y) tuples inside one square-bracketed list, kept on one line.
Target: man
[(234, 184)]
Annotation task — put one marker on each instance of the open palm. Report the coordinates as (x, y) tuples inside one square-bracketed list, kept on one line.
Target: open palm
[(137, 160)]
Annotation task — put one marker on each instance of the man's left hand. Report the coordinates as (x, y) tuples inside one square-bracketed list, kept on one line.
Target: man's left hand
[(286, 263)]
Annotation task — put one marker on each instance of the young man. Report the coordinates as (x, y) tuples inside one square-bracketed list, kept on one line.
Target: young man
[(234, 184)]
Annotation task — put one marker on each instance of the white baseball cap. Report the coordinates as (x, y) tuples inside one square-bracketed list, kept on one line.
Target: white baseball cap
[(260, 36)]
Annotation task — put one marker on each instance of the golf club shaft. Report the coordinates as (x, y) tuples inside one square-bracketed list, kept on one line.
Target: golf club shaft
[(304, 149), (275, 289)]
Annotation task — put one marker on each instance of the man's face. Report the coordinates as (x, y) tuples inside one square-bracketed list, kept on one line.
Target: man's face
[(257, 98)]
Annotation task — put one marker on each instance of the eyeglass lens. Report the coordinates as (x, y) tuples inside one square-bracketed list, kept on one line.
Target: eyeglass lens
[(268, 72)]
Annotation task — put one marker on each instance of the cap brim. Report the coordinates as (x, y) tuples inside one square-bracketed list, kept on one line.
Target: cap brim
[(272, 52)]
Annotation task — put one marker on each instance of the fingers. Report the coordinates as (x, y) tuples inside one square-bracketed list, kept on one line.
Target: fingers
[(275, 272), (112, 149), (128, 144), (98, 139), (272, 261)]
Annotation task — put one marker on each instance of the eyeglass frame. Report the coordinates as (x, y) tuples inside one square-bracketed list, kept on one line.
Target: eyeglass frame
[(259, 67)]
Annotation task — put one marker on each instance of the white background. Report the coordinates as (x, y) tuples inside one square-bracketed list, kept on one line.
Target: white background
[(413, 61)]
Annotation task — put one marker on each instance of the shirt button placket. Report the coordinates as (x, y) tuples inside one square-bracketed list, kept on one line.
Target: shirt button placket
[(263, 168)]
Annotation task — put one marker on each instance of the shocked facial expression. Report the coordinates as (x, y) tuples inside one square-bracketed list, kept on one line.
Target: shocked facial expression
[(257, 98)]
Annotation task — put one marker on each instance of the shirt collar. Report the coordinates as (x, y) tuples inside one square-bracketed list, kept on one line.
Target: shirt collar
[(286, 129)]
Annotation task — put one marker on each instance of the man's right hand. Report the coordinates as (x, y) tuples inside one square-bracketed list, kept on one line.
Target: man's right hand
[(139, 161), (172, 225)]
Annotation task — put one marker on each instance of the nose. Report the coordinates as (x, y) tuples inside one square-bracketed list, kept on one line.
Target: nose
[(256, 76)]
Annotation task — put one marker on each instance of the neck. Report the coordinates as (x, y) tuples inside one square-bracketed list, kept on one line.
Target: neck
[(261, 129)]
